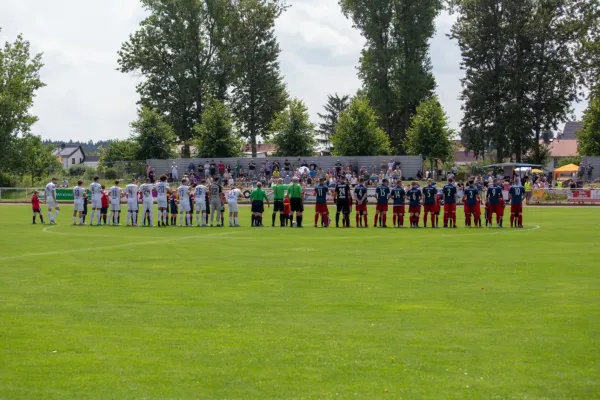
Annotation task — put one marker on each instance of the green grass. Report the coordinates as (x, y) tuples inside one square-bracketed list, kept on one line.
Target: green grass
[(188, 313)]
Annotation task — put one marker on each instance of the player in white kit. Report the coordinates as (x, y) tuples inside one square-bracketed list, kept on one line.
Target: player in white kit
[(184, 203), (131, 191), (115, 202), (147, 200), (162, 191), (232, 203), (200, 193), (78, 194), (96, 192), (51, 201)]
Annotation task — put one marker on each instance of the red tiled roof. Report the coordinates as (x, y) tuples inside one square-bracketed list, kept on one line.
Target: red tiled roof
[(563, 148)]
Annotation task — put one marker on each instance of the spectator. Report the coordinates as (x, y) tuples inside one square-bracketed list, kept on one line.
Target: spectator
[(287, 179), (192, 167), (65, 183), (313, 166), (221, 167), (251, 168), (338, 167), (287, 166), (200, 168), (152, 176), (590, 170), (213, 168), (304, 164), (206, 169), (174, 173)]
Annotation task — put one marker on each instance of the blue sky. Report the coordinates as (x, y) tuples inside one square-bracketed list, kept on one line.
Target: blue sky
[(87, 98)]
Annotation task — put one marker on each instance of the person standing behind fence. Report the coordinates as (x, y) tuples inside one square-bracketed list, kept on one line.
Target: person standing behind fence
[(295, 192), (215, 202)]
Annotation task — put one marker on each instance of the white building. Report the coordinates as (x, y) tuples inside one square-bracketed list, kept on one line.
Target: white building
[(69, 155)]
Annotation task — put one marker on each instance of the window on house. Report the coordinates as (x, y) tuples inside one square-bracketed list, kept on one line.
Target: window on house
[(73, 161)]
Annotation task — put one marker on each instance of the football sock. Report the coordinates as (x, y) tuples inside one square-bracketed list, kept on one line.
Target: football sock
[(512, 220), (453, 219), (81, 220), (520, 218), (74, 219), (348, 220), (197, 219), (188, 219), (34, 218), (358, 220), (395, 219), (231, 220), (317, 219), (260, 219), (299, 220), (376, 218), (92, 216), (366, 220), (253, 219), (273, 219), (49, 216), (235, 220), (425, 220), (433, 219), (55, 214), (401, 219), (324, 219), (384, 219), (129, 218), (337, 219), (283, 219)]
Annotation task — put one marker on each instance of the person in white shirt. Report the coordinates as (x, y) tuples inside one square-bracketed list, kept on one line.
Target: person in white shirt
[(162, 191), (131, 191), (78, 194), (147, 201), (51, 201), (231, 181), (206, 169), (200, 193), (115, 203), (184, 203), (232, 202), (96, 192), (174, 173)]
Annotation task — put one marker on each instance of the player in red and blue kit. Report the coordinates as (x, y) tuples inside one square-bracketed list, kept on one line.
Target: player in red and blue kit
[(360, 193), (414, 204), (321, 191), (494, 197), (449, 192), (398, 195), (429, 202), (383, 194), (471, 197), (515, 196)]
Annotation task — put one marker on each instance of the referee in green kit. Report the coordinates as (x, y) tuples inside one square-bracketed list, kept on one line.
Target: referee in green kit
[(295, 192), (278, 195)]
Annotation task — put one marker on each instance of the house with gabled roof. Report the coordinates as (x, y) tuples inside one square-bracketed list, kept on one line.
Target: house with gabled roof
[(69, 155)]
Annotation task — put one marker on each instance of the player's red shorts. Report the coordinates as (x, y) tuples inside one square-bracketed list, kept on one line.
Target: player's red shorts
[(414, 209), (450, 208), (321, 208), (382, 207), (399, 210), (361, 208), (429, 208), (496, 209), (516, 209), (471, 209)]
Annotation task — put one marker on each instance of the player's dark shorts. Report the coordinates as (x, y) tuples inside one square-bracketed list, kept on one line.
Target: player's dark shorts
[(37, 210), (296, 204), (343, 206), (278, 206), (258, 206), (321, 208), (104, 210), (399, 209), (429, 208)]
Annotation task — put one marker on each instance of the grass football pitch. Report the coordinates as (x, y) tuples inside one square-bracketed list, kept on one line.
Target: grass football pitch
[(272, 313)]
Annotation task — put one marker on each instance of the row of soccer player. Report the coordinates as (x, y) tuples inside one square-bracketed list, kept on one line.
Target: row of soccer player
[(344, 197)]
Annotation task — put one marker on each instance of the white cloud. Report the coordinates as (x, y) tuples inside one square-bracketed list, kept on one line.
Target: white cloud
[(86, 98)]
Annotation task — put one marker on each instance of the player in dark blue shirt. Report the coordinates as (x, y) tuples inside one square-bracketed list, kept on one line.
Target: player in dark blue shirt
[(449, 192), (414, 204), (342, 197), (360, 194), (471, 197), (383, 194), (398, 195), (494, 198), (515, 196), (321, 192), (429, 202)]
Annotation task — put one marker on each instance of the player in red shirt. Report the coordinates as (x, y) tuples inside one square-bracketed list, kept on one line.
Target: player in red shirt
[(35, 205), (287, 211), (105, 201)]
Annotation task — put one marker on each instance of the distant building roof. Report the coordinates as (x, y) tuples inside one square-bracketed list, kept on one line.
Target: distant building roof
[(92, 159), (563, 148), (570, 130), (66, 150)]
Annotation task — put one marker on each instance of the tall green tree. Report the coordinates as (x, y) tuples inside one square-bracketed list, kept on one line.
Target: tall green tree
[(589, 137), (153, 134), (19, 82), (119, 150), (394, 66), (429, 134), (36, 159), (258, 93), (216, 136), (586, 23), (357, 132), (179, 50), (292, 131), (333, 108)]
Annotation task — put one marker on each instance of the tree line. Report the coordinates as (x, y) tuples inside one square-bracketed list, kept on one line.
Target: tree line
[(210, 79)]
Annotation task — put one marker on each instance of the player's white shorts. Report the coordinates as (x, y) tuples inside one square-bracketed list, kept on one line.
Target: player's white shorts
[(78, 205), (162, 202), (97, 202), (233, 207), (200, 206), (184, 206), (115, 205), (132, 205), (51, 203), (148, 204)]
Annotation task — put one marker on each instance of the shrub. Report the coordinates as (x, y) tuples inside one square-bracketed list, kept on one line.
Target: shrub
[(110, 174), (77, 170), (8, 180)]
